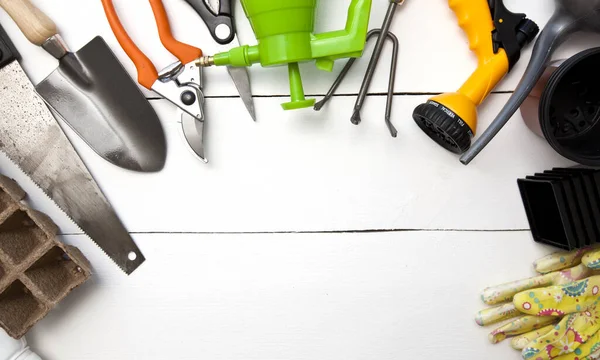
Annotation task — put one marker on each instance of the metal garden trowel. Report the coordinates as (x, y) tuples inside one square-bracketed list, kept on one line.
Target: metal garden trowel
[(569, 17), (93, 93)]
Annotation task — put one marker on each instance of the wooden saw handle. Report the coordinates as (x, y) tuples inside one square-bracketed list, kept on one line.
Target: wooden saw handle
[(35, 25)]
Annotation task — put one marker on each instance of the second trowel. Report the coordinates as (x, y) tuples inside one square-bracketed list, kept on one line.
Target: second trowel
[(93, 93)]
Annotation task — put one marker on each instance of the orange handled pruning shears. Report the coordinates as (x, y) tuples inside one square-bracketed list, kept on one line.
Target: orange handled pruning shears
[(180, 83)]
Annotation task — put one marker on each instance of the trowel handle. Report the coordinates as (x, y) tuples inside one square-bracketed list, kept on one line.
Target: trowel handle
[(35, 25), (556, 31)]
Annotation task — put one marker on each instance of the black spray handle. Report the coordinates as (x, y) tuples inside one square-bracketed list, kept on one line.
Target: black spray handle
[(221, 24)]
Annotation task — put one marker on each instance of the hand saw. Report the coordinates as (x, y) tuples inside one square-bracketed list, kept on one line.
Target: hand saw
[(32, 138)]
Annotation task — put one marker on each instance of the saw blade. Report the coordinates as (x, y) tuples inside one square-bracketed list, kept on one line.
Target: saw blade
[(32, 138)]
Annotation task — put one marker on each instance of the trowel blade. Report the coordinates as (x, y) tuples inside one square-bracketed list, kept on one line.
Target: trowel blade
[(94, 94)]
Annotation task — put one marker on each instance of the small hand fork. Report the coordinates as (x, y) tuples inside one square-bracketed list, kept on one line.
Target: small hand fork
[(383, 34)]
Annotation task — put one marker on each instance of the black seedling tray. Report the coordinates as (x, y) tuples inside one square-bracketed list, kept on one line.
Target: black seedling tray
[(563, 206), (571, 201), (548, 213), (591, 198), (583, 207)]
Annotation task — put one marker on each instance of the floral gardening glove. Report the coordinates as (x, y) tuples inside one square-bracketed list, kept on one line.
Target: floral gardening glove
[(591, 259), (576, 335), (555, 269), (520, 342), (524, 324)]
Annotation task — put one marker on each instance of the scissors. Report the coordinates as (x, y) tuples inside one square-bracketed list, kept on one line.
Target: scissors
[(180, 82), (221, 25)]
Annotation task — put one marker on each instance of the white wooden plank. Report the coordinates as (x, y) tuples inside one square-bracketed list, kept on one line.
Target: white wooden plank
[(402, 295), (308, 171), (434, 54)]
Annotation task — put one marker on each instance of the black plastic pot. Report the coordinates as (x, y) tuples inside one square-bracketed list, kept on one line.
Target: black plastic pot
[(569, 107)]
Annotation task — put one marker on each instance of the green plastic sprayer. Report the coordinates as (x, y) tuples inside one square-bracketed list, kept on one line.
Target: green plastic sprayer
[(284, 30)]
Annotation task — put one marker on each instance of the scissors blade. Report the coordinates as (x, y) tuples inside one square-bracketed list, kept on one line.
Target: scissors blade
[(193, 131), (241, 80)]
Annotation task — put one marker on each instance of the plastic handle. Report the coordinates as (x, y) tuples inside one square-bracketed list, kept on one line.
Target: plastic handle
[(226, 8), (147, 73), (556, 31), (475, 18), (184, 52), (213, 21), (35, 25), (349, 42)]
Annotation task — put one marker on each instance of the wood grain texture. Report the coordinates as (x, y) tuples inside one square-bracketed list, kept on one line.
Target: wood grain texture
[(301, 295), (309, 171), (35, 25), (387, 296), (434, 51)]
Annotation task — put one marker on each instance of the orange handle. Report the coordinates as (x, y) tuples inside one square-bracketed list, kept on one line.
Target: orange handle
[(184, 52), (147, 73)]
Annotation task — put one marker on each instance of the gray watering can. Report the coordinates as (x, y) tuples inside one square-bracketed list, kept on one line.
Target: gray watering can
[(570, 16)]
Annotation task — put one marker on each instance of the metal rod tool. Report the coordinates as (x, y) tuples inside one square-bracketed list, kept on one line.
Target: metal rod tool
[(383, 34)]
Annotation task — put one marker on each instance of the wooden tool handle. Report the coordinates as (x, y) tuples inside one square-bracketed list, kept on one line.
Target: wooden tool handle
[(35, 25)]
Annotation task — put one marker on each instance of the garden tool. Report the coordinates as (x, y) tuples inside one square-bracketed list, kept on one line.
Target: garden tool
[(284, 30), (32, 138), (382, 34), (569, 17), (497, 36), (180, 82), (93, 93), (221, 25)]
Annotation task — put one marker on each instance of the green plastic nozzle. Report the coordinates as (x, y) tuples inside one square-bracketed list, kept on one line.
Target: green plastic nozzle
[(284, 30)]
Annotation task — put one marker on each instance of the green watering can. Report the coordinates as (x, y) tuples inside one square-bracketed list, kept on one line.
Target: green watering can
[(284, 30)]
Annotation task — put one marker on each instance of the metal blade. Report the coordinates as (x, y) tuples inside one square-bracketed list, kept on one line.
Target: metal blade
[(193, 131), (33, 140), (241, 79), (94, 94)]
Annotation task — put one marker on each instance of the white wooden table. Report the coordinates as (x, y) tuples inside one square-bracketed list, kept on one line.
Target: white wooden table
[(305, 237)]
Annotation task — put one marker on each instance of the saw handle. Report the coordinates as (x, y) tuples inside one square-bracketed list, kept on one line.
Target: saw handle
[(35, 25)]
